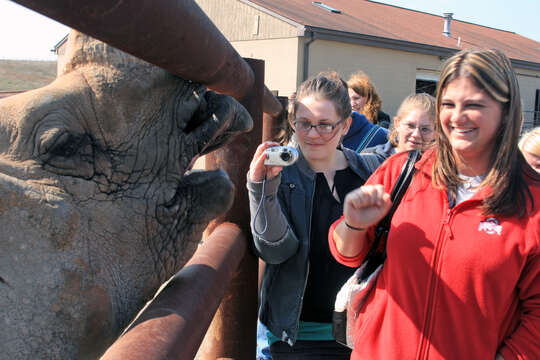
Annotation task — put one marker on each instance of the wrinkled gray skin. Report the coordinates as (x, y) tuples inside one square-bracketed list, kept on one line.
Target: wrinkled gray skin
[(96, 210)]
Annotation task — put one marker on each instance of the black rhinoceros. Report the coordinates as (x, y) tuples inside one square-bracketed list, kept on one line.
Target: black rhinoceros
[(98, 205)]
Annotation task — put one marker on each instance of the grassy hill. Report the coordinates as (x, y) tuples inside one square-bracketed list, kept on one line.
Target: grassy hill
[(16, 75)]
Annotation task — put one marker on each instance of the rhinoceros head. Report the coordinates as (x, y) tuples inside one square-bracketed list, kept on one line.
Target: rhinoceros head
[(98, 205)]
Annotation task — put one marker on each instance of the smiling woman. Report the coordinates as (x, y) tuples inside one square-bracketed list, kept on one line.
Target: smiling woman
[(470, 119), (464, 244), (479, 110)]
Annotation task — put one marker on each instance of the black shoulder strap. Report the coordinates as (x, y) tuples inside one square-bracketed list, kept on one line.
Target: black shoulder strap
[(374, 257), (401, 185)]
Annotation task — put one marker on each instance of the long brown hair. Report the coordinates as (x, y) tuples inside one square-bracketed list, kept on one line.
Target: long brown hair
[(491, 71), (362, 85)]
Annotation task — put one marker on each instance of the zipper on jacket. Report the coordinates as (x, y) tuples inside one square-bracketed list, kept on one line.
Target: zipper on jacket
[(426, 330), (446, 223)]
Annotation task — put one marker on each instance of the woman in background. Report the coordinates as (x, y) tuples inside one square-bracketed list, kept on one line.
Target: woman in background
[(365, 100), (530, 147), (412, 129)]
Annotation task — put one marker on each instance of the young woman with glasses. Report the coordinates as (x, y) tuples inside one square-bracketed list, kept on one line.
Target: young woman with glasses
[(413, 127), (290, 222)]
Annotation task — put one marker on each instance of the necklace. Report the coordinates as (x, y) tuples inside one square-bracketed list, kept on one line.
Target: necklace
[(471, 182)]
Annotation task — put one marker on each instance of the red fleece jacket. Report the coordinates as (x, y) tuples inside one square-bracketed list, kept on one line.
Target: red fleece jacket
[(456, 284)]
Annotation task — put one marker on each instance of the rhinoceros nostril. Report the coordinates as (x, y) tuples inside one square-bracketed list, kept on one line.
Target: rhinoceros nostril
[(3, 281), (196, 120)]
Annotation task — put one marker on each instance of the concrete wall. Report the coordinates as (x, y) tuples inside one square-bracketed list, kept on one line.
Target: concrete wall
[(281, 61), (238, 21), (393, 72), (255, 34)]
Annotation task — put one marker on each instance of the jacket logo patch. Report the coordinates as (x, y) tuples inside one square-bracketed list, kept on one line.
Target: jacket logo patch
[(490, 226)]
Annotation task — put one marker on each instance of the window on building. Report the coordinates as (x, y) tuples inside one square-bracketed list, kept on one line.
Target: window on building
[(426, 86), (426, 81)]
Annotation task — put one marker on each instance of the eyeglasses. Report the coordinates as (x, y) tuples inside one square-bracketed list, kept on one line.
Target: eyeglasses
[(424, 130), (323, 129)]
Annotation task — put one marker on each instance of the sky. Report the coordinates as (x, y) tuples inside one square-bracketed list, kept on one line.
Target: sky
[(27, 35)]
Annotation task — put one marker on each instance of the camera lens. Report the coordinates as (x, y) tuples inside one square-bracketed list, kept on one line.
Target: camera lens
[(285, 156)]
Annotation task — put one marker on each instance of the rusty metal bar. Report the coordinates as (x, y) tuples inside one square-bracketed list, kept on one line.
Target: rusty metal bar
[(175, 35), (173, 324), (271, 104), (233, 330)]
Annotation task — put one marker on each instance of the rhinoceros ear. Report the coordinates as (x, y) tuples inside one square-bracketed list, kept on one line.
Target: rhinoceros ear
[(82, 49)]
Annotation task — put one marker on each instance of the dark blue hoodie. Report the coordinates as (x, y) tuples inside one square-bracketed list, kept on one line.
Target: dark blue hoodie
[(363, 134)]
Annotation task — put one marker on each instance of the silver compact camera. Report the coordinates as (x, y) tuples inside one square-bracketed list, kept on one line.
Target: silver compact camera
[(280, 156)]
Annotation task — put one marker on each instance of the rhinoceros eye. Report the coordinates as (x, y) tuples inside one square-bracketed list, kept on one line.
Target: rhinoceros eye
[(67, 153), (63, 144)]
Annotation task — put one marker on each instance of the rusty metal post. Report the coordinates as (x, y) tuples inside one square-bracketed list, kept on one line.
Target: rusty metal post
[(273, 124), (173, 324), (233, 330)]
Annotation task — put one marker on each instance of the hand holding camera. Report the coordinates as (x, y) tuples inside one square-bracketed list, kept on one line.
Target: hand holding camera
[(269, 159), (280, 156)]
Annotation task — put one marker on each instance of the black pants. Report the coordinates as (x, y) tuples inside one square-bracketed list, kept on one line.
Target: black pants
[(310, 350)]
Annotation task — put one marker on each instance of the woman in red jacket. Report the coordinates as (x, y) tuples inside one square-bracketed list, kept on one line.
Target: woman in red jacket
[(462, 274)]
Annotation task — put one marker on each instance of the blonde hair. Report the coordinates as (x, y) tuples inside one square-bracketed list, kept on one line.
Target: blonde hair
[(492, 72), (362, 85), (422, 101), (530, 141)]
